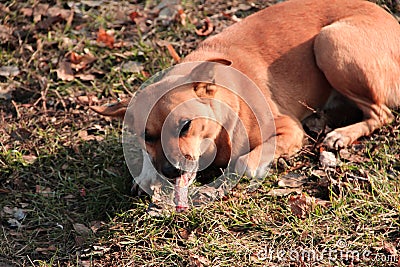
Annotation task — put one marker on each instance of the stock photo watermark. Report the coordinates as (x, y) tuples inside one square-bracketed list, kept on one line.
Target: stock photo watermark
[(340, 252)]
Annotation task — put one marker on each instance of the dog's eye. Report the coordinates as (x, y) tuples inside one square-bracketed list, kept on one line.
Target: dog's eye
[(184, 126)]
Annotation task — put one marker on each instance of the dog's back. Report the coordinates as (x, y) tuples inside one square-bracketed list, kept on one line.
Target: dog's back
[(282, 38)]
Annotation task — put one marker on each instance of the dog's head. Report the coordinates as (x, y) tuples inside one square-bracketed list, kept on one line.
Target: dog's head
[(179, 128), (178, 121)]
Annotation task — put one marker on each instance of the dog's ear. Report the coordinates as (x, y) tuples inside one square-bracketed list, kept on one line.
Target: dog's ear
[(116, 110), (206, 72)]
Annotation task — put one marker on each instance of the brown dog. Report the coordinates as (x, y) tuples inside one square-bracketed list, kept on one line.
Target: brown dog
[(303, 55)]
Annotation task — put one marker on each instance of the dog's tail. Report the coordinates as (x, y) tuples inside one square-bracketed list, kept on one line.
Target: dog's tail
[(116, 110)]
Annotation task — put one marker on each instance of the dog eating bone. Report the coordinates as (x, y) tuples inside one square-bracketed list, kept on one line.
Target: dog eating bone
[(303, 55)]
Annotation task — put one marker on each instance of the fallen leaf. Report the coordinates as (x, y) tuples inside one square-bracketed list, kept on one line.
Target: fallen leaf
[(29, 158), (64, 71), (302, 204), (327, 159), (21, 134), (26, 11), (182, 17), (6, 94), (132, 67), (390, 248), (106, 38), (83, 134), (167, 11), (44, 191), (279, 192), (38, 11), (140, 20), (88, 100), (8, 71), (292, 180), (7, 210), (57, 11), (81, 62), (206, 29), (184, 233), (91, 3), (85, 77), (96, 225), (50, 248), (47, 23), (5, 33), (352, 157), (198, 261), (81, 229)]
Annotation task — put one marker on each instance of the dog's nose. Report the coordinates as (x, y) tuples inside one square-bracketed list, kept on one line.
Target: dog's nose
[(169, 170)]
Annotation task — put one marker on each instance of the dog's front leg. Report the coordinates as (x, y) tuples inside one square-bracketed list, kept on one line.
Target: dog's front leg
[(256, 163), (288, 139), (147, 177)]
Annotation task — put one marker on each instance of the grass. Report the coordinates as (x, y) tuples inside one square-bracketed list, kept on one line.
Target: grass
[(62, 166)]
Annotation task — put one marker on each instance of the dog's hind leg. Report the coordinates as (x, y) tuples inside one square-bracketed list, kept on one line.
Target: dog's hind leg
[(360, 58)]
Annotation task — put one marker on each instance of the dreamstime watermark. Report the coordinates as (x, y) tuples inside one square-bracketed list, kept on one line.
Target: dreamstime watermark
[(341, 252), (207, 96)]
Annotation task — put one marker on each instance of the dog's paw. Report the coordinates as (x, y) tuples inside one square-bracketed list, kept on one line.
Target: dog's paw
[(243, 167), (336, 140), (142, 184), (136, 190)]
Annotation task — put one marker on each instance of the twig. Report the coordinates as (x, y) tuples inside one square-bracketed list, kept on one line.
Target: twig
[(123, 85), (16, 109), (173, 53), (308, 107)]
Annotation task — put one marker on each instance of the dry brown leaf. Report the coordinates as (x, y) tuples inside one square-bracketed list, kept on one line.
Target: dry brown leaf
[(292, 180), (5, 33), (85, 76), (390, 248), (198, 261), (88, 100), (81, 62), (352, 157), (64, 71), (279, 192), (301, 205), (26, 11), (29, 158), (182, 17), (44, 191), (206, 29), (96, 225), (83, 134), (140, 20), (47, 23), (50, 248), (38, 11), (105, 38), (57, 11), (81, 229)]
